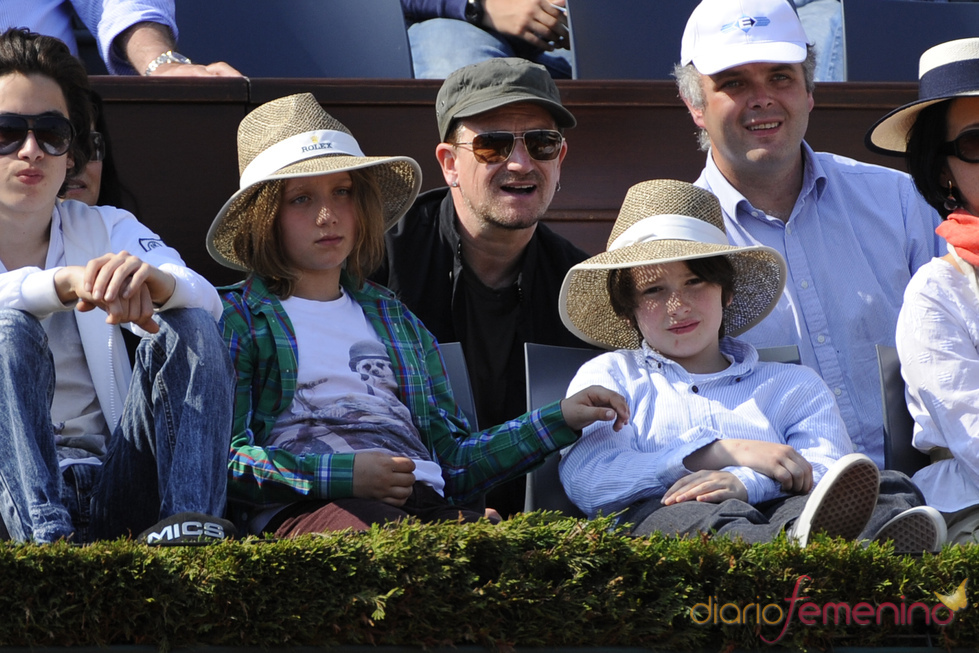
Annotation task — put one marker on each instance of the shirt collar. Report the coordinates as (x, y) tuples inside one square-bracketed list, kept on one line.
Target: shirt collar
[(813, 181), (743, 357)]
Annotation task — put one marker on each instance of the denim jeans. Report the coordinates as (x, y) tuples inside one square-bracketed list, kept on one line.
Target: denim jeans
[(823, 22), (441, 45), (168, 454)]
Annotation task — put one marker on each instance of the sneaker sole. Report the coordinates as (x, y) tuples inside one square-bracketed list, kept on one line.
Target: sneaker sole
[(913, 533), (841, 505)]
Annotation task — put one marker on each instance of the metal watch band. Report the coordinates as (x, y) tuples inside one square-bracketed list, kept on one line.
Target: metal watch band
[(167, 57)]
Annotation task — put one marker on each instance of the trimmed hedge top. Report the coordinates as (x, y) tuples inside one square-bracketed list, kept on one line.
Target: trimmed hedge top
[(533, 581)]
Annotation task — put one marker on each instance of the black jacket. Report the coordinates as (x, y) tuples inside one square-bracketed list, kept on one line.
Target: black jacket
[(423, 265)]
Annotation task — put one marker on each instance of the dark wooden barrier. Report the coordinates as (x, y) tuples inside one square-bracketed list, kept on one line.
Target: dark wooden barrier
[(174, 141)]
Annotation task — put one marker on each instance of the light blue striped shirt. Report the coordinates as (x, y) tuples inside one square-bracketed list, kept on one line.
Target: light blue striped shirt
[(106, 19), (856, 235), (675, 413)]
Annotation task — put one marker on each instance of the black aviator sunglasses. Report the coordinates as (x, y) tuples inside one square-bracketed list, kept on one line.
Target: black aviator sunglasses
[(53, 133)]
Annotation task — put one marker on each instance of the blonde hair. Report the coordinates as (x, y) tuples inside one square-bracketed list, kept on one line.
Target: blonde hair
[(258, 244)]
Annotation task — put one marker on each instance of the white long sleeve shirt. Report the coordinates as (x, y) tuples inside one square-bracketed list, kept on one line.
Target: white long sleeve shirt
[(675, 413), (938, 344), (80, 233)]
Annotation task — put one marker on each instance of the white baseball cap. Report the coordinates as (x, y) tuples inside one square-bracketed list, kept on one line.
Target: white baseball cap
[(722, 34)]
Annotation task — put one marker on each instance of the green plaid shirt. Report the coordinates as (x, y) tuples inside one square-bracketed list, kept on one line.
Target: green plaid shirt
[(263, 347)]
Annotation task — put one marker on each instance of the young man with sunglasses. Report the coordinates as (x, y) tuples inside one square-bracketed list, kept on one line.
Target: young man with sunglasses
[(472, 260), (852, 234), (90, 447)]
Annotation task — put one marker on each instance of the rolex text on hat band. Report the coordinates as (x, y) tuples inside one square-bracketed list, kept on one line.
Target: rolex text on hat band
[(298, 148)]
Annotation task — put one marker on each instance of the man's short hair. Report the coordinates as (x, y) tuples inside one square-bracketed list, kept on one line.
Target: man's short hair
[(689, 83)]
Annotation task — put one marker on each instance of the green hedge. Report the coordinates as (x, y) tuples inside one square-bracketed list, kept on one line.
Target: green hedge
[(534, 581)]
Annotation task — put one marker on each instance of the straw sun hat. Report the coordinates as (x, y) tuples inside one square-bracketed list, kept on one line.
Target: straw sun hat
[(945, 71), (663, 221), (294, 137)]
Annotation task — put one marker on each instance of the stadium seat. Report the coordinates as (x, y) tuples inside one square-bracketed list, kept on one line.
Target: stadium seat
[(899, 453), (885, 38), (455, 365), (549, 371), (298, 38), (626, 39)]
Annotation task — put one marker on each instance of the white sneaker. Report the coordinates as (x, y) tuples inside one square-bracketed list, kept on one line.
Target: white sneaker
[(842, 503), (915, 530)]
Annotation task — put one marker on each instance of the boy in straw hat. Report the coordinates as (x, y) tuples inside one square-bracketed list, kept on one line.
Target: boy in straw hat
[(718, 441), (343, 413), (92, 448)]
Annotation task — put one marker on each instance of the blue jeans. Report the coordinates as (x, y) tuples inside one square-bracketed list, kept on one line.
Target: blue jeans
[(441, 45), (168, 454), (823, 22)]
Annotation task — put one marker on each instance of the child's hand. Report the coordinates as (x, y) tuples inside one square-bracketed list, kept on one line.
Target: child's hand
[(383, 477), (594, 404), (708, 485), (777, 461)]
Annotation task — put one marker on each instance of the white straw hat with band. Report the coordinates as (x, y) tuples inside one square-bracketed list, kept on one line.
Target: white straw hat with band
[(945, 71), (663, 221), (294, 137)]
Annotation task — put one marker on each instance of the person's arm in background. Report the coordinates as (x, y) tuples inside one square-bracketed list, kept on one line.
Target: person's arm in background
[(132, 33), (537, 22)]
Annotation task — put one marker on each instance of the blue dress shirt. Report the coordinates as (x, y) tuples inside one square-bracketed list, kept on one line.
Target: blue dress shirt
[(856, 235)]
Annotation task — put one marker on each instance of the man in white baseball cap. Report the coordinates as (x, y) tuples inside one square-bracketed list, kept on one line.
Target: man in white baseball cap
[(852, 234)]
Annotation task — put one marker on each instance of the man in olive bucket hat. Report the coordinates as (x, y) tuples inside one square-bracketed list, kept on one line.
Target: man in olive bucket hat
[(472, 260), (718, 442)]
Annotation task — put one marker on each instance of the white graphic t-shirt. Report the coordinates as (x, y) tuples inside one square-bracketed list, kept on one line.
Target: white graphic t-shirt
[(347, 398)]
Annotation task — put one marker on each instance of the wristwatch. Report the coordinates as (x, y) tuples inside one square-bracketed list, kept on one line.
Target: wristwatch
[(167, 57), (475, 12)]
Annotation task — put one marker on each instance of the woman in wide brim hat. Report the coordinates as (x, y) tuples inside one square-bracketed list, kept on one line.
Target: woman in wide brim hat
[(714, 432), (948, 75), (324, 437), (938, 326), (663, 221)]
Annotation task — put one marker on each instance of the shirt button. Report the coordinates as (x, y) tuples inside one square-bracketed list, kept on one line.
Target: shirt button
[(821, 339), (754, 214), (695, 389), (788, 230), (837, 391), (804, 284)]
